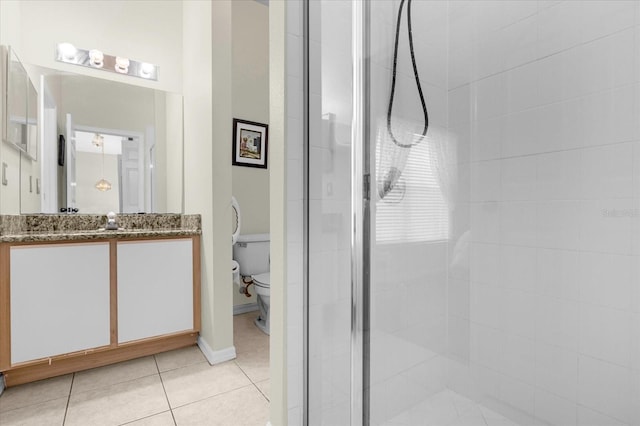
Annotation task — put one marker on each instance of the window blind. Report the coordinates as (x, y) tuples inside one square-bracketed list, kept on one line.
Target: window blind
[(415, 210)]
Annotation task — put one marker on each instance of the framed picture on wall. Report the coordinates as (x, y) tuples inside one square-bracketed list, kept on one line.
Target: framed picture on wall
[(250, 143)]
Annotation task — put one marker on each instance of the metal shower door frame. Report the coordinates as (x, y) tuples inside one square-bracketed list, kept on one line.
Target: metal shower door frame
[(360, 213)]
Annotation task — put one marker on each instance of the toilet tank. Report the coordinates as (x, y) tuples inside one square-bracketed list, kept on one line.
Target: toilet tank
[(252, 253)]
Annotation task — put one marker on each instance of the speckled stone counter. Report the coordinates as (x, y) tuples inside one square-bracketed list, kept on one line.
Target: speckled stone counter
[(67, 227)]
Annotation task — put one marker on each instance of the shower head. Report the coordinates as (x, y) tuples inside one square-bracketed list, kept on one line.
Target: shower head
[(389, 181)]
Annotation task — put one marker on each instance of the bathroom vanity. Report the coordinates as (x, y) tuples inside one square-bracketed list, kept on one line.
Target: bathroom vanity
[(74, 296)]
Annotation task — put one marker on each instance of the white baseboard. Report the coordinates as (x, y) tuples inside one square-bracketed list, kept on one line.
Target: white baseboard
[(243, 309), (216, 357)]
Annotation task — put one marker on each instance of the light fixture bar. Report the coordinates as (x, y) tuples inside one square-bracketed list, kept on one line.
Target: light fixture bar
[(68, 53)]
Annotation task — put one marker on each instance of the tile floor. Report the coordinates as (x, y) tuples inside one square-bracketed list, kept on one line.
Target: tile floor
[(172, 388)]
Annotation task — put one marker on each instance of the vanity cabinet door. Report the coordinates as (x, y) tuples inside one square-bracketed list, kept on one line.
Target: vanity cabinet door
[(155, 288), (59, 299)]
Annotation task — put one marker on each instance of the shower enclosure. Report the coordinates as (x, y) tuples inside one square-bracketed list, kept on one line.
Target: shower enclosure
[(488, 273)]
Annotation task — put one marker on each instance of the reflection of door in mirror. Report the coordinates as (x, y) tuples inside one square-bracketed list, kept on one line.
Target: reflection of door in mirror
[(49, 154), (131, 173), (70, 166), (109, 172)]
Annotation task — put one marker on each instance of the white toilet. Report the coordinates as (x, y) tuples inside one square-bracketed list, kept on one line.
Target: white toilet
[(251, 251)]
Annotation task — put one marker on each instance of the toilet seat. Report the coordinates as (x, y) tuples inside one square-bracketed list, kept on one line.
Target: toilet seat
[(262, 280)]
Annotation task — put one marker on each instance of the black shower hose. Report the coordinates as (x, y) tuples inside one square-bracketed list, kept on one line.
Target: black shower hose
[(416, 76)]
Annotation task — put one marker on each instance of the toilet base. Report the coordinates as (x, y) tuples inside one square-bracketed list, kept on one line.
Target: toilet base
[(262, 322), (262, 325)]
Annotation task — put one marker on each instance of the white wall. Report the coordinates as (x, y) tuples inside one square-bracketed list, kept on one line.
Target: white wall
[(251, 102), (148, 31), (279, 220), (101, 103), (174, 152), (207, 96)]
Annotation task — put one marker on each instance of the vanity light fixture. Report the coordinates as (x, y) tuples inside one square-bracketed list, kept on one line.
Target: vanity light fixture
[(94, 58)]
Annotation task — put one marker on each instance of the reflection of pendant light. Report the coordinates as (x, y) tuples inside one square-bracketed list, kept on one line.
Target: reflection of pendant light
[(103, 184)]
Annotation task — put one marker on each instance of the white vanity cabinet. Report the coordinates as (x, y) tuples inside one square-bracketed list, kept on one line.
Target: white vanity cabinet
[(59, 299), (155, 288), (70, 305)]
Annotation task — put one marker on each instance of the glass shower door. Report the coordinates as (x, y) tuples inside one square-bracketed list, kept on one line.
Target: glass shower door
[(495, 277), (329, 212), (412, 162), (505, 285)]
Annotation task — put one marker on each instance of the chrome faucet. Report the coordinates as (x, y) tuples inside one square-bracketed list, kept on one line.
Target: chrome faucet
[(111, 221)]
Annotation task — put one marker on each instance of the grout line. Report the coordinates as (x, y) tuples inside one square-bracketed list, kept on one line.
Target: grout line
[(142, 418), (262, 393), (245, 373), (66, 409), (164, 390), (212, 396), (112, 384)]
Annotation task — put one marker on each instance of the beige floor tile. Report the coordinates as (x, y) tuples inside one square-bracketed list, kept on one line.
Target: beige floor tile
[(255, 364), (265, 387), (117, 404), (245, 319), (35, 393), (250, 344), (48, 413), (179, 358), (162, 419), (241, 407), (199, 381), (246, 336), (112, 374)]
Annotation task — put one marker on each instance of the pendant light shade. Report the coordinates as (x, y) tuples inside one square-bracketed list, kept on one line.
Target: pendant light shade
[(103, 185)]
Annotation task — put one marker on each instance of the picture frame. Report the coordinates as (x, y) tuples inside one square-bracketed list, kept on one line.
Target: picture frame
[(250, 143)]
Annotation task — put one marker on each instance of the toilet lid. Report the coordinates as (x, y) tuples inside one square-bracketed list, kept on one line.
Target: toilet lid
[(263, 280)]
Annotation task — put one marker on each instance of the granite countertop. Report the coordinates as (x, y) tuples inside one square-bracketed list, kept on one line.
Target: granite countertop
[(41, 228)]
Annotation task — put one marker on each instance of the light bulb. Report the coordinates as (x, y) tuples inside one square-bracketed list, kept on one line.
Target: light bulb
[(146, 69), (97, 140), (122, 65), (67, 52), (96, 58)]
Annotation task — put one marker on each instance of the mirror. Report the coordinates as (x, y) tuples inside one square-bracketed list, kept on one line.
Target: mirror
[(106, 146), (21, 118)]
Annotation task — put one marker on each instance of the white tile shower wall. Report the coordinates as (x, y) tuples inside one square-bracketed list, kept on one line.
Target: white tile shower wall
[(294, 140), (547, 326)]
